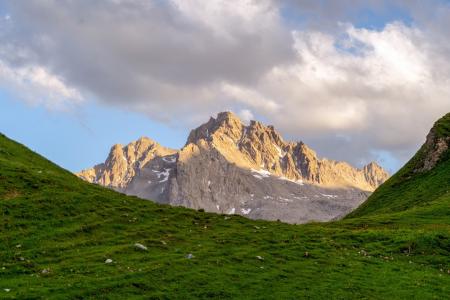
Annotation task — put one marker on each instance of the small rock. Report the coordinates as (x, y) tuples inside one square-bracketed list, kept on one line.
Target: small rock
[(140, 246), (260, 257), (190, 256), (45, 271), (306, 254), (7, 290), (163, 242), (18, 246), (108, 261), (22, 258)]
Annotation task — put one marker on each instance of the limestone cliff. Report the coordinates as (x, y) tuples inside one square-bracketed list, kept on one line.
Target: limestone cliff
[(229, 167), (123, 163), (261, 147)]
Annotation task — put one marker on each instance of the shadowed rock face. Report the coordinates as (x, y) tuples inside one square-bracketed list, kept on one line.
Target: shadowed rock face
[(228, 167), (434, 148)]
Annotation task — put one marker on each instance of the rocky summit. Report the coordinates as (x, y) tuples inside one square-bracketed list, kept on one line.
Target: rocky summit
[(233, 168)]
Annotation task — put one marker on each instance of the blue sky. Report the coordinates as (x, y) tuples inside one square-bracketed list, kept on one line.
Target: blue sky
[(82, 138), (346, 77)]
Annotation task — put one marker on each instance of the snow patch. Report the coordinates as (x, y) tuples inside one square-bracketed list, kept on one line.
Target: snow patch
[(232, 211), (164, 174), (218, 207), (262, 172), (246, 211), (209, 183), (285, 199), (169, 159), (329, 196), (299, 182)]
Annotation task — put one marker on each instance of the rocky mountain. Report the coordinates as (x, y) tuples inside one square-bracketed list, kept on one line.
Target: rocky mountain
[(124, 163), (229, 167)]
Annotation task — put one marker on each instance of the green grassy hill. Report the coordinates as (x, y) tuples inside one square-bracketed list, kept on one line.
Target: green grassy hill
[(413, 190), (56, 232)]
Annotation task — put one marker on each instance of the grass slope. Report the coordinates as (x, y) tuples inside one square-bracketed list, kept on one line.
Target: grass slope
[(409, 189), (56, 232)]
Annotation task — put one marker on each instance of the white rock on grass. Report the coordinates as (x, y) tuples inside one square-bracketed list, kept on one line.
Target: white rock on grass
[(140, 246), (189, 256), (108, 261), (260, 257), (7, 290)]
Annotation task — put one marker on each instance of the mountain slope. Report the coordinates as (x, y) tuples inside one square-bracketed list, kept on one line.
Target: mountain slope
[(57, 232), (424, 180), (228, 167)]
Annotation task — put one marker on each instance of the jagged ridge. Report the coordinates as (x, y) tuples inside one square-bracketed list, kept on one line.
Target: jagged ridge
[(229, 167), (123, 163), (261, 147)]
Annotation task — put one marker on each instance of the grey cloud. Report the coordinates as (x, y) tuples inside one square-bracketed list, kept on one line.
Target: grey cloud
[(183, 60), (102, 43)]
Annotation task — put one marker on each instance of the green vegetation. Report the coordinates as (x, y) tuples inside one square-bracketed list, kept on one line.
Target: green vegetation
[(409, 190), (442, 126), (56, 232)]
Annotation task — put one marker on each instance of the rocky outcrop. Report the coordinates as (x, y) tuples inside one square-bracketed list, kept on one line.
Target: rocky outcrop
[(261, 147), (433, 149), (229, 167), (123, 163)]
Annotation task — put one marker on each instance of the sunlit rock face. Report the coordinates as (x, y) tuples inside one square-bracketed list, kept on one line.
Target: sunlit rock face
[(229, 167)]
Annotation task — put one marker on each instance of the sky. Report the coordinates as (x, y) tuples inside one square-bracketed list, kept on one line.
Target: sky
[(356, 80)]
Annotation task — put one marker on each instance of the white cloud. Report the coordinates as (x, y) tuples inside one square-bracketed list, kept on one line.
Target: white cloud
[(350, 91), (246, 115), (37, 85)]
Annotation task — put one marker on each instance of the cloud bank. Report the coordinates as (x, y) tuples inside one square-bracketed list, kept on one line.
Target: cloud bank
[(353, 92)]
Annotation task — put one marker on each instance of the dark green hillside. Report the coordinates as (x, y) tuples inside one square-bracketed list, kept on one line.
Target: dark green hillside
[(56, 232), (414, 187)]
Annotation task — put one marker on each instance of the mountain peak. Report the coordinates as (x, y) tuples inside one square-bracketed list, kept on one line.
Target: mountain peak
[(226, 123), (227, 166), (374, 174), (123, 162), (261, 147), (227, 115)]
